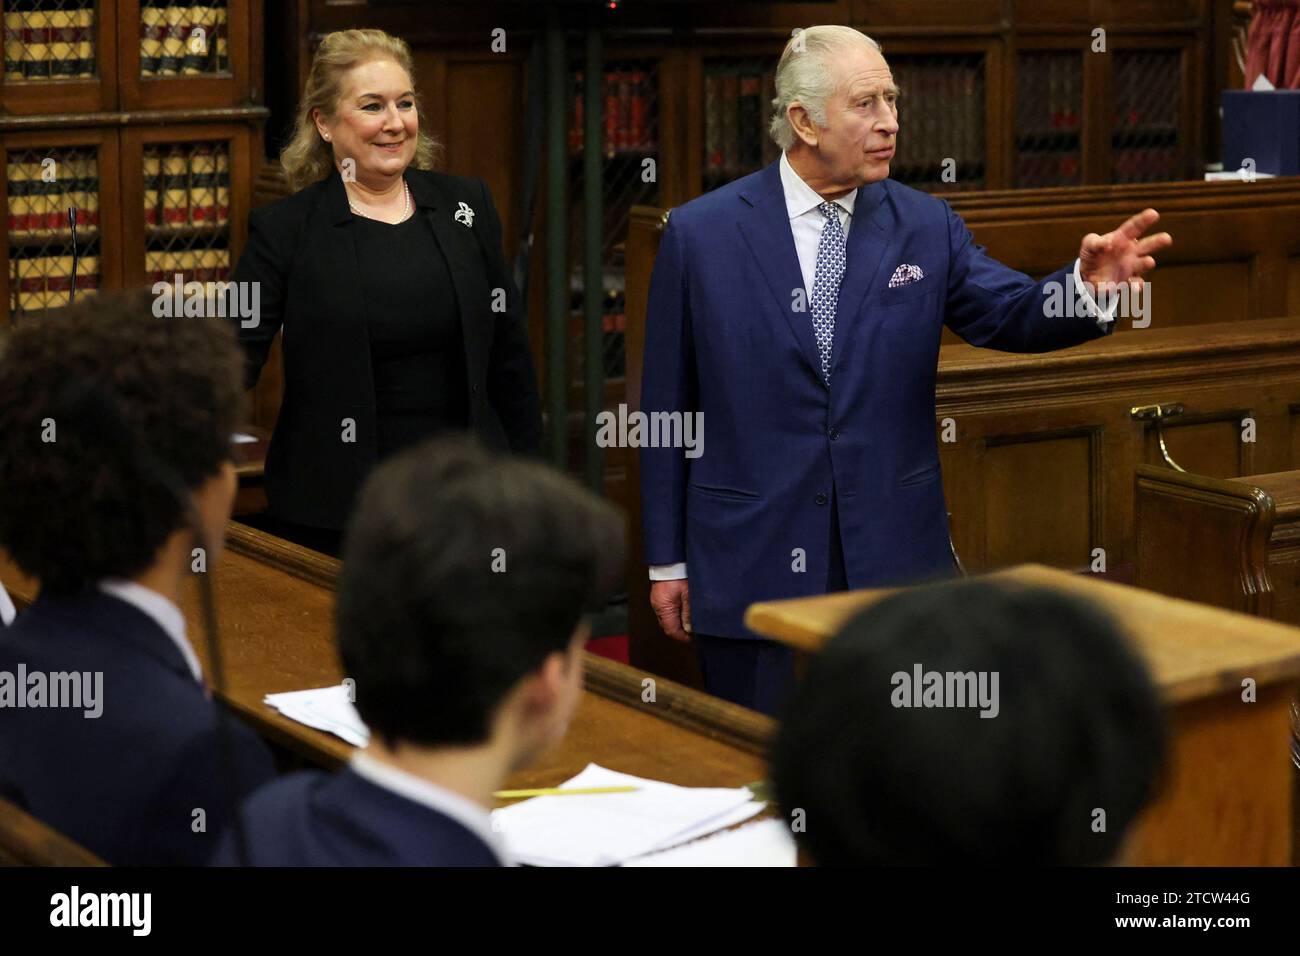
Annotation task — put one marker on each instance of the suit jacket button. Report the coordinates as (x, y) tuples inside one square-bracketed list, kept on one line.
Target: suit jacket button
[(821, 498)]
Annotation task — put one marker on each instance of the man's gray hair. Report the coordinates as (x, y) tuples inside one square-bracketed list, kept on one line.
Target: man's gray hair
[(804, 75)]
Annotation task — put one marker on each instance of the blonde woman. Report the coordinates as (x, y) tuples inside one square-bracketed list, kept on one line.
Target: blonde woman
[(400, 317)]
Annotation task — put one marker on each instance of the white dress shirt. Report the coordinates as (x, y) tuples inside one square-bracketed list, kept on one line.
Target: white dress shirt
[(464, 811), (7, 611), (166, 614), (806, 224)]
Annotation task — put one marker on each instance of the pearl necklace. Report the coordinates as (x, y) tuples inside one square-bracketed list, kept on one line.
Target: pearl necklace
[(405, 208)]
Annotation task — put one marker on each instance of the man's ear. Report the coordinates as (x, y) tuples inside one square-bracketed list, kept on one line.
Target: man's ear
[(802, 123)]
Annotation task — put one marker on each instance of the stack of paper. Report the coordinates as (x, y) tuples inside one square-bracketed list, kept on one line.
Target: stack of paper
[(766, 843), (325, 708), (607, 829)]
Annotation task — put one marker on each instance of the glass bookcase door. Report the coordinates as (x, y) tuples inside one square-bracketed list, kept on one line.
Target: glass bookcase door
[(57, 56), (48, 259), (1146, 133), (184, 40), (631, 154), (179, 204), (738, 94), (1049, 119), (177, 55), (941, 122), (187, 212)]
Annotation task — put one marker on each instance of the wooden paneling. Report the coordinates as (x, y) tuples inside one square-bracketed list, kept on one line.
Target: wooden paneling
[(1293, 285), (917, 16), (484, 130), (1212, 447), (1029, 486), (1234, 243), (1218, 373), (1190, 293)]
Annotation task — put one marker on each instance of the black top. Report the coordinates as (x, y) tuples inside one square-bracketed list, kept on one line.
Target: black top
[(413, 319)]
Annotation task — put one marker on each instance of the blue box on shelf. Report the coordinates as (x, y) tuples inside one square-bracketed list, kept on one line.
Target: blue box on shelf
[(1264, 126)]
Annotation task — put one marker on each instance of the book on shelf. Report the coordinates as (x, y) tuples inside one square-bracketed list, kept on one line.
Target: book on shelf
[(182, 39), (737, 111), (193, 265), (187, 186), (45, 281), (626, 116), (43, 44), (38, 205)]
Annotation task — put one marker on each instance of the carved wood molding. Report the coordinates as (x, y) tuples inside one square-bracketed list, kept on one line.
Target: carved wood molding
[(1237, 496), (217, 114), (1253, 352)]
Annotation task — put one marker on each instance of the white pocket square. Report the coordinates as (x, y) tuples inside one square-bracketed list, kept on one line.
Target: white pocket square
[(905, 275)]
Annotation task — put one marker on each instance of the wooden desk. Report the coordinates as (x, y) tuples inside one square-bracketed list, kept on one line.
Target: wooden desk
[(275, 604), (1228, 795)]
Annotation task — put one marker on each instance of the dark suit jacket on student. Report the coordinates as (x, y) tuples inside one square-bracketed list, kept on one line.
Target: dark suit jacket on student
[(302, 251), (124, 785), (319, 819)]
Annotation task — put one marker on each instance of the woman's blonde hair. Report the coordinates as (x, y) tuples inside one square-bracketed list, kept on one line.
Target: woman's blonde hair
[(308, 158)]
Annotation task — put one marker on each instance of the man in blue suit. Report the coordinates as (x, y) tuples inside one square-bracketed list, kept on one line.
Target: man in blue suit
[(118, 478), (461, 623), (798, 311)]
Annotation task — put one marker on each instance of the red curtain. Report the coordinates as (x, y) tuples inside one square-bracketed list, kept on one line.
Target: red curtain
[(1273, 48)]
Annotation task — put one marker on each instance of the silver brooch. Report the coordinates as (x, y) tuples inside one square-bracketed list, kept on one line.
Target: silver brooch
[(465, 215)]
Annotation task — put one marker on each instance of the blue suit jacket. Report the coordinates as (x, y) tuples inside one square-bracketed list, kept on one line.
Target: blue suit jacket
[(319, 819), (125, 784), (723, 338)]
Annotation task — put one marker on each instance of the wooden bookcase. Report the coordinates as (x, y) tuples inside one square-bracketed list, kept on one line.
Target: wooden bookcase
[(146, 87)]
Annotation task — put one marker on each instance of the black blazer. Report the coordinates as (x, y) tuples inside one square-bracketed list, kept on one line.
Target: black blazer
[(125, 784), (302, 251)]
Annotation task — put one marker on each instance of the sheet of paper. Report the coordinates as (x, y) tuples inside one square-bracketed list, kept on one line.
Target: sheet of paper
[(739, 815), (606, 829), (766, 843), (324, 708)]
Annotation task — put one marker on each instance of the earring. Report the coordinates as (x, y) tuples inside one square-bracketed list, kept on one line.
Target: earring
[(327, 139)]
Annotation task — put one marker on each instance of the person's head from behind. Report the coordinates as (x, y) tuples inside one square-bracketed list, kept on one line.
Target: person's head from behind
[(1057, 748), (115, 429), (462, 598)]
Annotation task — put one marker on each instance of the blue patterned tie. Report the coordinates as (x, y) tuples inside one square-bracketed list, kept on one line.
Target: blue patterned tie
[(826, 283)]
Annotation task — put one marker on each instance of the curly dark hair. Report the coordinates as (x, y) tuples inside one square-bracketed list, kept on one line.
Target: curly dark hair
[(105, 411)]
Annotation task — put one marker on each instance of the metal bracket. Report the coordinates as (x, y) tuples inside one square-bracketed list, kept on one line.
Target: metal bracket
[(1158, 414)]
